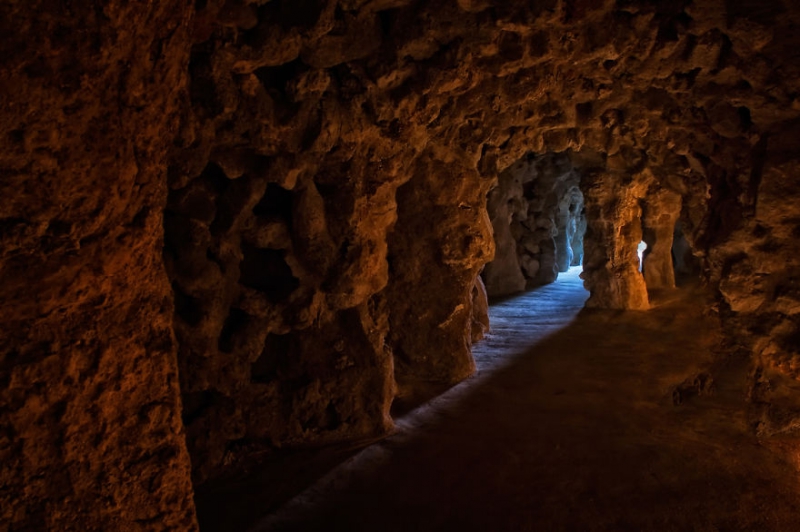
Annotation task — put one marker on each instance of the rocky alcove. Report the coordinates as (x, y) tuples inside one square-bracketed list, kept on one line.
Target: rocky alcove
[(233, 229)]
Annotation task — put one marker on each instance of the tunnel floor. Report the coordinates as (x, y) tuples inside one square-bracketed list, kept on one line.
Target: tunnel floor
[(587, 421)]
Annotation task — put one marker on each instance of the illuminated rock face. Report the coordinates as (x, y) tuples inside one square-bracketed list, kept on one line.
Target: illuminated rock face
[(611, 265), (661, 212), (323, 214)]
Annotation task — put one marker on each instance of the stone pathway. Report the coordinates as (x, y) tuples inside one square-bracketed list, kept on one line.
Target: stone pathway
[(571, 423), (518, 323)]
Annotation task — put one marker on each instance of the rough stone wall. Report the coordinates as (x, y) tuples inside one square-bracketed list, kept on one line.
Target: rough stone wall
[(441, 240), (282, 195), (686, 265), (90, 429), (758, 272), (614, 230), (506, 205), (537, 216)]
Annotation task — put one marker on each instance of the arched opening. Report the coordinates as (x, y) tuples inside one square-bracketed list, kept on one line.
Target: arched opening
[(539, 222), (641, 249)]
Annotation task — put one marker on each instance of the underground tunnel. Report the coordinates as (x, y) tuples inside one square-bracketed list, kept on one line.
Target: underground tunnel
[(262, 265)]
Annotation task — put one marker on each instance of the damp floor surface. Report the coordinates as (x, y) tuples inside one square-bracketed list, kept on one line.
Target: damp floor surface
[(584, 421)]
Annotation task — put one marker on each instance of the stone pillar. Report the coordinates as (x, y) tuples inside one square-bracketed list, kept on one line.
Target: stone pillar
[(614, 230), (90, 413), (504, 275), (442, 239), (569, 242), (480, 310), (562, 238), (576, 241), (661, 211)]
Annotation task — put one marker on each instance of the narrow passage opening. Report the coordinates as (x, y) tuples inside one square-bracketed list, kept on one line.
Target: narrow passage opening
[(640, 250), (539, 222), (534, 284)]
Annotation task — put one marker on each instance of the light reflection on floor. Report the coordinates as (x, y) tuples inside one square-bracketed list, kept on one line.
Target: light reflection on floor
[(520, 322), (516, 324)]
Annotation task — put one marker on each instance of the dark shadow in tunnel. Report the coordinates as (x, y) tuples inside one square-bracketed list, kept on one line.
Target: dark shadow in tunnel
[(237, 502), (686, 265)]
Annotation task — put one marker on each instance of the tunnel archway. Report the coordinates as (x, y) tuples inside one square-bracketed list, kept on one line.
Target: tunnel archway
[(538, 222)]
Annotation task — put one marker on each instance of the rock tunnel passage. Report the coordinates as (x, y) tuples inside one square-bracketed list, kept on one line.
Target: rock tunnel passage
[(602, 421), (235, 230)]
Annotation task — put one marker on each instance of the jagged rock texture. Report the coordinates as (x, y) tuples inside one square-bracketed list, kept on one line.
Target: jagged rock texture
[(90, 430), (325, 213)]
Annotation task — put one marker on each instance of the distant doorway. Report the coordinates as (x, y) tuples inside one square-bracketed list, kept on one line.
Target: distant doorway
[(539, 221)]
